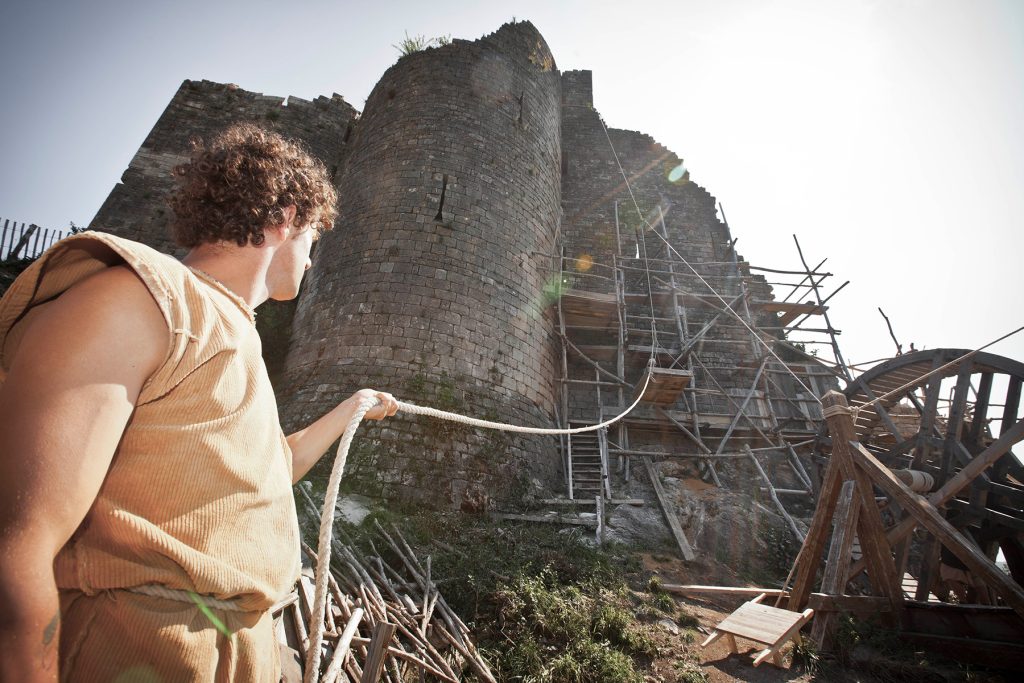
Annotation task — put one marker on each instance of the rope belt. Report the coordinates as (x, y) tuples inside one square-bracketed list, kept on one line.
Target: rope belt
[(157, 591)]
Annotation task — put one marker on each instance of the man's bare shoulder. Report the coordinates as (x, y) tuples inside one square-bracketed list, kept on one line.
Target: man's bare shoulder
[(109, 317)]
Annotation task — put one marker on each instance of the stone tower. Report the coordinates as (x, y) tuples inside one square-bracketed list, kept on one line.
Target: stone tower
[(479, 192), (432, 283)]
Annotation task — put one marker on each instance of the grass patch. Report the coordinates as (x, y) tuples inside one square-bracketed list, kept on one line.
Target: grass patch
[(544, 606)]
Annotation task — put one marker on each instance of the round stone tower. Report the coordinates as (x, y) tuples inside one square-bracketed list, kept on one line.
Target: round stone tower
[(432, 283)]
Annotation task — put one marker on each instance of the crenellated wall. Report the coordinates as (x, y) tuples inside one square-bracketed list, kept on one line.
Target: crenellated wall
[(136, 208)]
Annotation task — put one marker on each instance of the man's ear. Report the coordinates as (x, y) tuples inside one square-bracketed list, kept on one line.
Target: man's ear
[(285, 228)]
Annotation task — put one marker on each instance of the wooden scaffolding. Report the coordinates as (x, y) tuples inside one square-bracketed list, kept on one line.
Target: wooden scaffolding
[(735, 374)]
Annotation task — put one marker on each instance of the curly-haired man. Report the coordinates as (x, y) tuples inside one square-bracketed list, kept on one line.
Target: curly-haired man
[(143, 470)]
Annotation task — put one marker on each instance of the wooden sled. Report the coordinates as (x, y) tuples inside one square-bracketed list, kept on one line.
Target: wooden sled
[(768, 626)]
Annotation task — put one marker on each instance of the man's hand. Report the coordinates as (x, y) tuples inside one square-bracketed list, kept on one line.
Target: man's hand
[(309, 444), (386, 406)]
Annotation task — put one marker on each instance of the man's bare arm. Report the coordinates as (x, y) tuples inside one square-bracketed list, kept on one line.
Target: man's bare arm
[(307, 445), (69, 394)]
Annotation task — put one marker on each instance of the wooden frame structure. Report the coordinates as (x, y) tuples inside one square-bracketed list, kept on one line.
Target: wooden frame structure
[(848, 506), (716, 398)]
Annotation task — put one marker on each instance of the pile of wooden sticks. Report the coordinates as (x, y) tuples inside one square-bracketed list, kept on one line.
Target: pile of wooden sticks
[(383, 622)]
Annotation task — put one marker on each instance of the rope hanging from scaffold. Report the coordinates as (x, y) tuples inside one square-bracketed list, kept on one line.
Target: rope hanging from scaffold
[(316, 626)]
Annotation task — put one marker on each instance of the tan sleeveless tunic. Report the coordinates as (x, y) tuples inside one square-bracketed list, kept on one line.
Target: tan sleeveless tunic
[(198, 496)]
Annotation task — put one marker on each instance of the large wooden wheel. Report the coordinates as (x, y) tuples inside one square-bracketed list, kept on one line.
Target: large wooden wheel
[(937, 425)]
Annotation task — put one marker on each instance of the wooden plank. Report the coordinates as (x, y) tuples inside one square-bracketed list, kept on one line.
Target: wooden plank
[(377, 652), (930, 518), (669, 512), (725, 591), (760, 623), (664, 386)]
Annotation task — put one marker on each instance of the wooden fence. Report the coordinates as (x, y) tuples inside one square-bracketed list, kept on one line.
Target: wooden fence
[(21, 240)]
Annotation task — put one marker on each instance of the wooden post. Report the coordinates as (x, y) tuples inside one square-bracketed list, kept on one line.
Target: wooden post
[(565, 373), (871, 530), (837, 567)]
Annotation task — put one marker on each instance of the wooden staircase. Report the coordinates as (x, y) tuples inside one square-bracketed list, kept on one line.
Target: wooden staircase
[(588, 471)]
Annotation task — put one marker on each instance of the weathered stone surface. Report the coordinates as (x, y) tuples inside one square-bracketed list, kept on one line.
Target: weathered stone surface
[(432, 285), (452, 304), (136, 208)]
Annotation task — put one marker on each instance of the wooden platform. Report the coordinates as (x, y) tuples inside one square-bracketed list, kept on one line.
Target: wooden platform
[(768, 626), (665, 386), (589, 309), (788, 310)]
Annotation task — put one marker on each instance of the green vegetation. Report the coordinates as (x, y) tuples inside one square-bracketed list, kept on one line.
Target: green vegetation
[(418, 43), (545, 606), (688, 671)]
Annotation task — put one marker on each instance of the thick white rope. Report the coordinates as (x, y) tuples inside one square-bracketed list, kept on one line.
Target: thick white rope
[(323, 567), (316, 626)]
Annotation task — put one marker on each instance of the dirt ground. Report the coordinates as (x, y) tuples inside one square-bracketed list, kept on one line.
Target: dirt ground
[(721, 666)]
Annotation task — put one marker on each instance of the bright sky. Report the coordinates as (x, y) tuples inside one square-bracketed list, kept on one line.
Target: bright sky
[(886, 134)]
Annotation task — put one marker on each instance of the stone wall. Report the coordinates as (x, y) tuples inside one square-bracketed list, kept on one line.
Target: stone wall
[(472, 165), (136, 208), (431, 286)]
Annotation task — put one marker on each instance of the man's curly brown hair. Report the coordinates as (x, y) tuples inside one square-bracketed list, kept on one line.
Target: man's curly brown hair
[(241, 182)]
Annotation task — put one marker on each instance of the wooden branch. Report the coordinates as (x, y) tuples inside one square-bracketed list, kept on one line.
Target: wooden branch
[(341, 650), (669, 512), (775, 498), (377, 652), (930, 518)]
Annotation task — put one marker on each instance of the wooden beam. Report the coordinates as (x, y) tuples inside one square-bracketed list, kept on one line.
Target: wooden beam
[(969, 473), (822, 602), (809, 558), (669, 512), (729, 591), (871, 530), (837, 566), (930, 518)]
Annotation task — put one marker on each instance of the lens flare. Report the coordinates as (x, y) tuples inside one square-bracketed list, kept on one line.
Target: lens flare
[(584, 263), (677, 173), (554, 288)]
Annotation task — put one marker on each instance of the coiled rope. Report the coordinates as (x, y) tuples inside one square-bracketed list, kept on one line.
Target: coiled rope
[(316, 626)]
